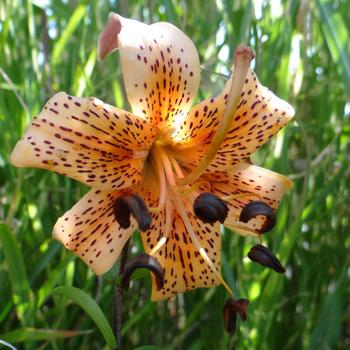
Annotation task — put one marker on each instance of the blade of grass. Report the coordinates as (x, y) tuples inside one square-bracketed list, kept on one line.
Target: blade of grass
[(90, 306), (17, 274), (34, 334), (67, 33), (328, 328), (337, 38)]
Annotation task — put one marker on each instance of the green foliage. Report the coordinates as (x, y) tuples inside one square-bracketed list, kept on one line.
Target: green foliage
[(302, 53), (90, 306)]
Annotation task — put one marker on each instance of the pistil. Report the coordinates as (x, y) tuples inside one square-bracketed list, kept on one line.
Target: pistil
[(242, 58)]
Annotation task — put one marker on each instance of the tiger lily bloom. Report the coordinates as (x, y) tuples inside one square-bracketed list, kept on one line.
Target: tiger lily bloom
[(164, 152)]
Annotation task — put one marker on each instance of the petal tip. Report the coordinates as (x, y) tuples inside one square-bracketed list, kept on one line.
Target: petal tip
[(290, 111), (57, 233), (108, 40), (14, 158), (18, 156)]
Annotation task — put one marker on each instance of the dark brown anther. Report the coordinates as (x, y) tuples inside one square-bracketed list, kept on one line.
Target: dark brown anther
[(143, 261), (230, 319), (255, 208), (134, 205), (265, 257), (209, 208), (231, 308)]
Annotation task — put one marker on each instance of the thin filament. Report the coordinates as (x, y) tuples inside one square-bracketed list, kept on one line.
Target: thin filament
[(241, 228), (176, 166), (162, 184), (167, 228), (195, 187), (240, 195), (159, 152)]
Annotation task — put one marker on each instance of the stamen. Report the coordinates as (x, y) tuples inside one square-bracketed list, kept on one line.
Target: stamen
[(176, 166), (242, 58), (183, 213), (265, 257), (157, 164), (230, 310), (240, 195), (167, 229), (159, 245), (196, 187), (167, 166), (124, 206), (143, 261), (255, 208), (230, 320), (209, 208)]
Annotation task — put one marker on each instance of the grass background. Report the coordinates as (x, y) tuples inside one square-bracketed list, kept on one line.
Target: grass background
[(302, 53)]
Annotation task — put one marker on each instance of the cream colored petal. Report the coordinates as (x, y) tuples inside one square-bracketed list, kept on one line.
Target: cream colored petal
[(160, 68), (90, 231), (259, 116), (242, 184), (87, 140)]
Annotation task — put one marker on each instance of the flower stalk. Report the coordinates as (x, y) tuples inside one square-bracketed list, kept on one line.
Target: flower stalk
[(118, 298)]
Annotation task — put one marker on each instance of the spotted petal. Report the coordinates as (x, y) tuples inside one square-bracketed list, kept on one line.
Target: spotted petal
[(184, 267), (242, 184), (90, 231), (160, 67), (88, 140), (259, 116)]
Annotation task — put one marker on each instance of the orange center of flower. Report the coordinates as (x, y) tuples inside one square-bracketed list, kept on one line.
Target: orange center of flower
[(164, 135)]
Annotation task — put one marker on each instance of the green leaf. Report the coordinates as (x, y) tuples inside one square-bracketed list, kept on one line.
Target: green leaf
[(67, 33), (83, 75), (17, 274), (328, 327), (337, 38), (148, 347), (35, 334), (90, 306)]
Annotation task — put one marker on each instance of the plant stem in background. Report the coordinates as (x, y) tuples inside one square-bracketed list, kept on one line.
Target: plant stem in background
[(118, 298)]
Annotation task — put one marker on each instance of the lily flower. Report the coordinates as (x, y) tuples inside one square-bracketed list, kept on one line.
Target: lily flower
[(160, 158)]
